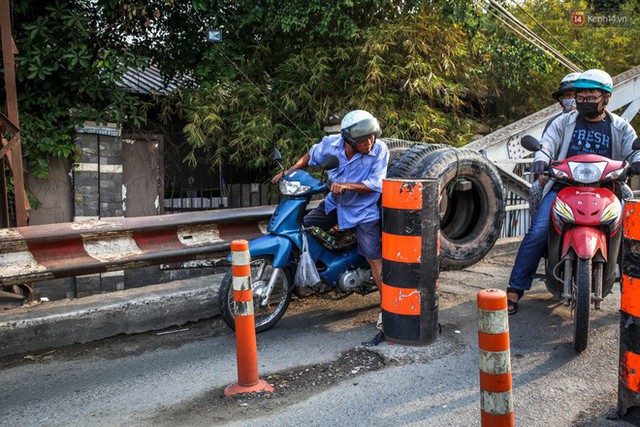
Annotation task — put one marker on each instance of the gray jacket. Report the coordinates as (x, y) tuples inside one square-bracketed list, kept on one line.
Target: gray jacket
[(557, 138)]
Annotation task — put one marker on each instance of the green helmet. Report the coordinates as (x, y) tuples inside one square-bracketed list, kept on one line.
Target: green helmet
[(594, 79)]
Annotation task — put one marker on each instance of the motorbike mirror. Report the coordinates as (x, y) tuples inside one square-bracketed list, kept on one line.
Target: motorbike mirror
[(530, 143), (636, 144), (276, 155), (330, 162)]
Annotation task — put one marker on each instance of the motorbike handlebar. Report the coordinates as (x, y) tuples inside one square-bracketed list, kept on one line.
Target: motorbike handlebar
[(329, 184)]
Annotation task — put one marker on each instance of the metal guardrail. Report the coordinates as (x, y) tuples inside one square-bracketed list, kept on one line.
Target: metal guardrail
[(44, 252)]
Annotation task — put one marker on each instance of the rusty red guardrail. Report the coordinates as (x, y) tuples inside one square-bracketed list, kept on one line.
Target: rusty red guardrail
[(43, 252)]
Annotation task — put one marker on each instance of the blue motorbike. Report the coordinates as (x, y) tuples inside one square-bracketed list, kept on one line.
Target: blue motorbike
[(274, 256)]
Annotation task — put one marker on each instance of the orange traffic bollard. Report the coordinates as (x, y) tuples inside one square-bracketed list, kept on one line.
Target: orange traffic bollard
[(410, 265), (496, 399), (629, 362), (246, 346)]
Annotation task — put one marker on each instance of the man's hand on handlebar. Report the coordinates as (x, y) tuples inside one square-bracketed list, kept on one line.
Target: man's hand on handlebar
[(539, 167), (278, 177), (338, 188)]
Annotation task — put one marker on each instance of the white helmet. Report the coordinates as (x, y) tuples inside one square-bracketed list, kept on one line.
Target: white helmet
[(594, 79), (357, 125), (566, 84)]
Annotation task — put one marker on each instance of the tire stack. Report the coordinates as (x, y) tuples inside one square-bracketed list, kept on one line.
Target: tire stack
[(472, 202)]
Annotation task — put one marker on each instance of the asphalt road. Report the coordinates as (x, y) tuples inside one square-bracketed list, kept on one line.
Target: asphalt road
[(322, 375)]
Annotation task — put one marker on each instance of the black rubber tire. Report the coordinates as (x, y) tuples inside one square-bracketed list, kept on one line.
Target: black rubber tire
[(470, 221), (402, 166), (396, 148), (225, 298), (582, 295)]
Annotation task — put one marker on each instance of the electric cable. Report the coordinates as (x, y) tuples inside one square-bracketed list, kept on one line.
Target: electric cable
[(528, 35), (551, 34), (532, 34), (535, 42)]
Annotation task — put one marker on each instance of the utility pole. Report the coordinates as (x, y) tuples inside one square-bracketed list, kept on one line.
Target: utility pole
[(12, 147)]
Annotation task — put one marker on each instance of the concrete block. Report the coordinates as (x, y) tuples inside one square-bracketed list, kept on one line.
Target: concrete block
[(61, 323)]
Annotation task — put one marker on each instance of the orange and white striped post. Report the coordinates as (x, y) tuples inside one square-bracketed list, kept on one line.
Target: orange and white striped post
[(246, 346), (496, 399)]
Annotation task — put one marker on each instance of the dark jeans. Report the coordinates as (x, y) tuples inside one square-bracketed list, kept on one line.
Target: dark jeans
[(533, 245)]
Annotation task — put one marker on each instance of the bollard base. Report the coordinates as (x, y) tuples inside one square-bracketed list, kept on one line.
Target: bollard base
[(236, 388)]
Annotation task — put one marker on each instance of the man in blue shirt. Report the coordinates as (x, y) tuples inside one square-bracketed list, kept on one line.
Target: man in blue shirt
[(356, 184), (592, 129)]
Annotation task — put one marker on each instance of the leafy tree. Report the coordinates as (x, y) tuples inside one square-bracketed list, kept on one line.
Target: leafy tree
[(435, 71), (286, 67), (72, 55)]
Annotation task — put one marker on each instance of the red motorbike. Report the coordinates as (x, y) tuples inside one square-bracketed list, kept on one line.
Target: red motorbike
[(585, 236)]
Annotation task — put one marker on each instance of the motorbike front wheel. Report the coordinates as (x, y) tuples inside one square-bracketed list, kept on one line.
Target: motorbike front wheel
[(267, 313), (582, 299)]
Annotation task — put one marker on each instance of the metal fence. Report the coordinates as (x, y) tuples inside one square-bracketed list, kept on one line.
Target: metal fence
[(516, 219)]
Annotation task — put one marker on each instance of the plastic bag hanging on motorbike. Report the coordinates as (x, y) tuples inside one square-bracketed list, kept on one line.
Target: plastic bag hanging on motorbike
[(306, 273)]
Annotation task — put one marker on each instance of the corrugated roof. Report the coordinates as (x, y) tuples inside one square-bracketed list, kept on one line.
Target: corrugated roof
[(149, 80)]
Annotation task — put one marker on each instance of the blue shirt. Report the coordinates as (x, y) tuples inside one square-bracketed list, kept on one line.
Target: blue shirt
[(591, 138), (369, 169)]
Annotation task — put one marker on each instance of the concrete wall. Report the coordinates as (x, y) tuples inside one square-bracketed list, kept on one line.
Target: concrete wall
[(53, 193), (55, 198), (97, 180), (143, 174)]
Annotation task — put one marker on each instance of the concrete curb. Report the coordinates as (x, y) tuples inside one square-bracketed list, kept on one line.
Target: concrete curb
[(60, 323)]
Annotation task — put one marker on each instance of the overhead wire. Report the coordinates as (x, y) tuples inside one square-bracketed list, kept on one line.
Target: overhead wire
[(550, 34), (531, 32), (519, 32), (532, 35), (507, 19)]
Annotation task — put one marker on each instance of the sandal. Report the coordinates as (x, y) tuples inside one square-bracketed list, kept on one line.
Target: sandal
[(512, 306)]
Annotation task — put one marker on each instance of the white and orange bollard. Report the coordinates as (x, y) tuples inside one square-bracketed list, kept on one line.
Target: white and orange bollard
[(246, 345), (496, 399)]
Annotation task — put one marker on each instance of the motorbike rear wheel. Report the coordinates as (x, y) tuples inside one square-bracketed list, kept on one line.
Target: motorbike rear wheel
[(265, 316), (582, 299)]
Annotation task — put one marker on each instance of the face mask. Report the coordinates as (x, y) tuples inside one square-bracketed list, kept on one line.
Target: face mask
[(568, 105), (588, 109)]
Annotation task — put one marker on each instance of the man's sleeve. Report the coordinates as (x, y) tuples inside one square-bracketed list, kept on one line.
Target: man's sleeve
[(627, 143), (378, 171), (551, 140), (317, 154), (546, 126)]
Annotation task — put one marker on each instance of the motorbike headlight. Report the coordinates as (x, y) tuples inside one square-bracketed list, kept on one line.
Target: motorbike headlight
[(292, 188), (562, 213), (611, 215), (586, 173)]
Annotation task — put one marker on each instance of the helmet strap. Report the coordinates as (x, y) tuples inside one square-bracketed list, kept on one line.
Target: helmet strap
[(349, 140)]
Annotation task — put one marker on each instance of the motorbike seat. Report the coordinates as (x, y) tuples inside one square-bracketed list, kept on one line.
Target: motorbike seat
[(334, 239)]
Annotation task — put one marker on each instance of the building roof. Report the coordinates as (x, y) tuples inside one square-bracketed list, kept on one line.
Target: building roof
[(149, 80)]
